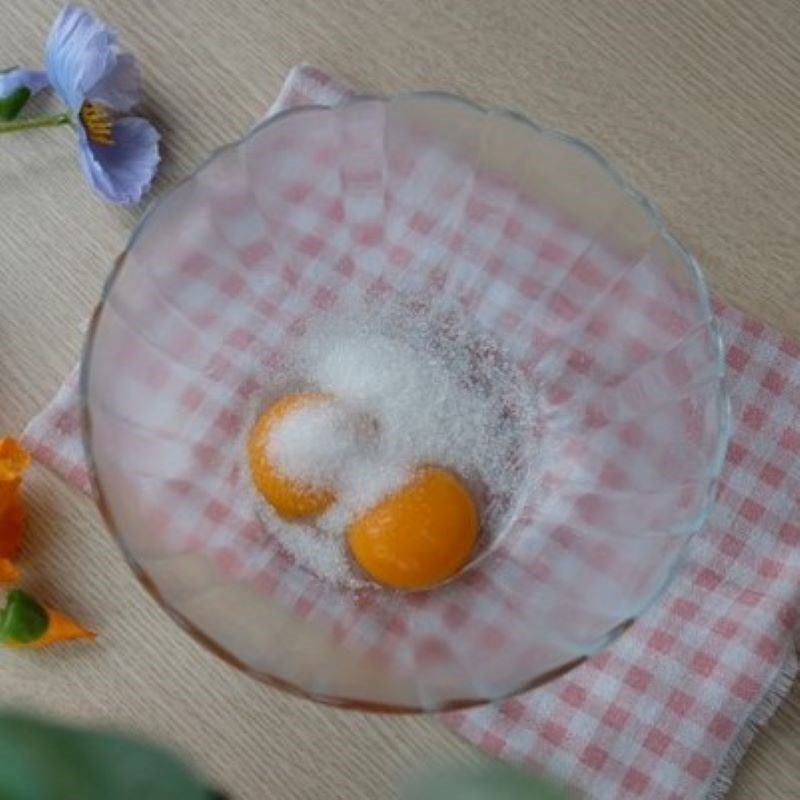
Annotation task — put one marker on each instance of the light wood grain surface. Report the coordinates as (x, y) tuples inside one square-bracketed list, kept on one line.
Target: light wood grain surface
[(697, 100)]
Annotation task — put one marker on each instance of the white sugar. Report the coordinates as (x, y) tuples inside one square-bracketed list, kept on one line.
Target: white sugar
[(403, 389), (314, 442)]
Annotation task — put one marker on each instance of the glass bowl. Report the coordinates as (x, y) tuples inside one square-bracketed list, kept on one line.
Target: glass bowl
[(528, 238)]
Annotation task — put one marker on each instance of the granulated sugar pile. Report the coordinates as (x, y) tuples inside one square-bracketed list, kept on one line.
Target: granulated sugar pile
[(402, 389)]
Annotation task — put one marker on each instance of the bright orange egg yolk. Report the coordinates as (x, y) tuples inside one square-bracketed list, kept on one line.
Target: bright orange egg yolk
[(420, 534), (291, 499)]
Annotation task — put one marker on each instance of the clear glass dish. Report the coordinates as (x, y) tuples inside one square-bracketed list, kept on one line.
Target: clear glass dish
[(527, 236)]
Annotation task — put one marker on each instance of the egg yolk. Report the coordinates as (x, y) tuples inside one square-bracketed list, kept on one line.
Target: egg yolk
[(419, 535), (291, 499)]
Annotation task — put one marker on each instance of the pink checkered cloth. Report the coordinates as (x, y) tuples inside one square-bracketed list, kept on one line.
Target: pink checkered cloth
[(667, 711)]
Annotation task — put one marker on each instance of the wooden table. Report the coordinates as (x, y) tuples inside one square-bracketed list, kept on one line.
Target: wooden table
[(697, 100)]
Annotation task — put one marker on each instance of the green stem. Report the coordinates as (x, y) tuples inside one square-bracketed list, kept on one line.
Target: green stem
[(50, 121)]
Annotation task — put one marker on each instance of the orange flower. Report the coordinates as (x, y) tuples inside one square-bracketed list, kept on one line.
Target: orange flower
[(24, 622), (13, 461)]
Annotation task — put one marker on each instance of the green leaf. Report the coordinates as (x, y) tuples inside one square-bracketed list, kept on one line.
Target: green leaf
[(488, 781), (12, 104), (44, 761), (22, 620)]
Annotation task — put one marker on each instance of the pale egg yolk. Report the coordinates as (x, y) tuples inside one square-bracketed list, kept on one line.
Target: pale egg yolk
[(291, 499), (420, 534)]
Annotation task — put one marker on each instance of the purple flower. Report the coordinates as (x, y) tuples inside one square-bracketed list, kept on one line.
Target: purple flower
[(17, 86), (33, 80), (100, 84)]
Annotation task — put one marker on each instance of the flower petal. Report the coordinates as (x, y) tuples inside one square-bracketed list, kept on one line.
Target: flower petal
[(12, 527), (14, 459), (92, 170), (69, 57), (119, 86), (8, 572), (32, 79), (83, 58), (121, 172)]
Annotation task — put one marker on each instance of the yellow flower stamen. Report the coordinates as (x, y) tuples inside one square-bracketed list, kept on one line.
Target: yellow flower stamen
[(97, 122)]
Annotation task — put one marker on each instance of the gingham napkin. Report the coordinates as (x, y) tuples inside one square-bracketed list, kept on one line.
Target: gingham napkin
[(668, 710)]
